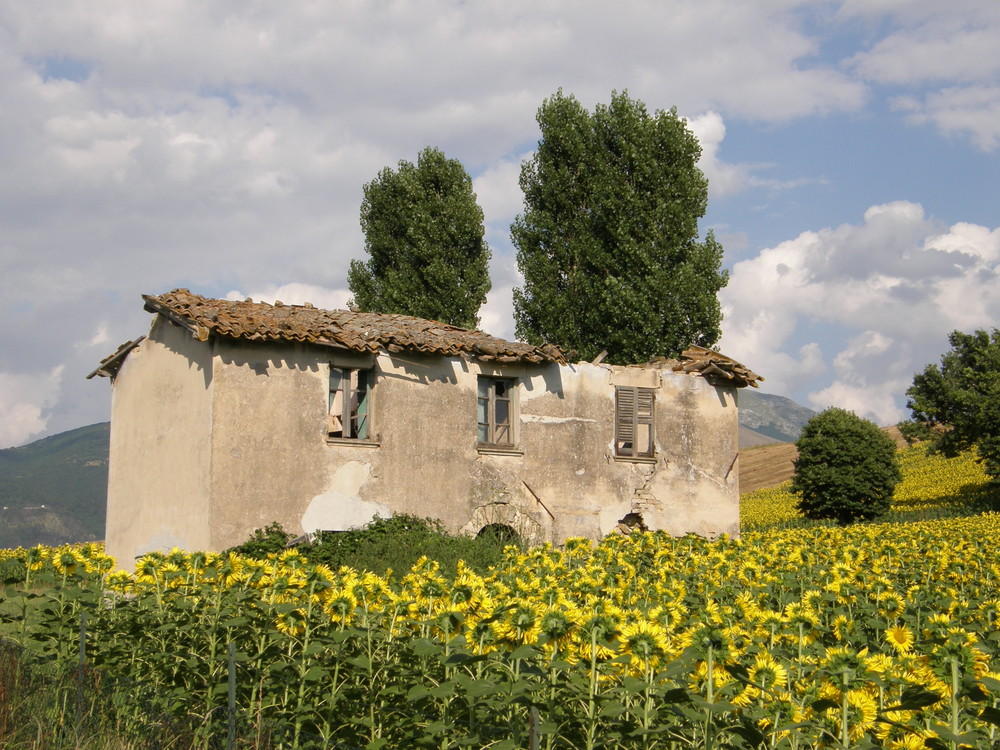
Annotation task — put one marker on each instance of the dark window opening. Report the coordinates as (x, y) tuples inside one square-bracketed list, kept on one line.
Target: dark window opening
[(499, 532)]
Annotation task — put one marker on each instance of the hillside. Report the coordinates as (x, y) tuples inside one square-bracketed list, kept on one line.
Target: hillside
[(775, 417), (54, 490)]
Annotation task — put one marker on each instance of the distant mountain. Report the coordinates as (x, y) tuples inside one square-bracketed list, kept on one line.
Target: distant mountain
[(769, 416), (54, 490)]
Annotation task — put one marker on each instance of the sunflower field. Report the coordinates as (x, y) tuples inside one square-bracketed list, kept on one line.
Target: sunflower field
[(879, 635)]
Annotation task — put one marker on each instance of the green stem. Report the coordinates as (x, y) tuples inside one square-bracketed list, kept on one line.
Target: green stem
[(844, 724)]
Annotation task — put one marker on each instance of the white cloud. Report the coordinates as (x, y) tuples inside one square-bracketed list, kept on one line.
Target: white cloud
[(296, 293), (225, 146), (946, 56), (100, 338), (24, 403), (871, 373), (890, 289), (498, 190), (496, 317), (725, 178), (972, 111)]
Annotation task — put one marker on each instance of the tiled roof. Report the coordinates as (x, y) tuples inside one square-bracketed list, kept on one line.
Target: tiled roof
[(362, 332), (717, 368)]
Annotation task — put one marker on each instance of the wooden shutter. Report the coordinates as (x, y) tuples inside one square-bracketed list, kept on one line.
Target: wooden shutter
[(634, 421)]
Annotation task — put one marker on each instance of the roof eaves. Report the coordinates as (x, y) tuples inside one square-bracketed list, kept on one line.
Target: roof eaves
[(109, 366)]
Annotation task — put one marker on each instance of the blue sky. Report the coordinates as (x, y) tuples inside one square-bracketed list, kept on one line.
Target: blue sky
[(852, 148)]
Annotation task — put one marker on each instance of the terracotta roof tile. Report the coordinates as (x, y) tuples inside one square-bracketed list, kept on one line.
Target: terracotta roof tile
[(362, 332), (716, 368)]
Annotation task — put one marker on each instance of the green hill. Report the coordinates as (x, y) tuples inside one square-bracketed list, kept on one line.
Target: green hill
[(54, 490)]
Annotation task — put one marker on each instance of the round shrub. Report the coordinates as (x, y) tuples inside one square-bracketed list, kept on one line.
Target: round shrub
[(846, 469)]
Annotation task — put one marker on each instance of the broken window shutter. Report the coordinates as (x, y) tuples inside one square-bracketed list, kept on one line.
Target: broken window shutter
[(634, 420), (644, 405), (625, 411), (364, 391)]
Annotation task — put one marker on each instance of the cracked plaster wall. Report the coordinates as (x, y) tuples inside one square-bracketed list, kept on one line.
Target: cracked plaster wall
[(267, 457)]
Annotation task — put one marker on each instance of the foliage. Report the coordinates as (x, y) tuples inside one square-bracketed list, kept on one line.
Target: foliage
[(397, 543), (608, 243), (272, 539), (381, 546), (846, 468), (424, 238), (961, 398), (914, 432)]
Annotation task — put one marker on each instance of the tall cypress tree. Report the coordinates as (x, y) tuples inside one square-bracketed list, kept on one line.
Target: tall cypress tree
[(608, 242), (425, 241)]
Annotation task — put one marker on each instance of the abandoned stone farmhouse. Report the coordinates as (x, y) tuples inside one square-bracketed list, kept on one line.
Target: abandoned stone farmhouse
[(229, 415)]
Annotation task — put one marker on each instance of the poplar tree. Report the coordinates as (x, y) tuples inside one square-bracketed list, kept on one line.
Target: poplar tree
[(608, 242), (424, 236)]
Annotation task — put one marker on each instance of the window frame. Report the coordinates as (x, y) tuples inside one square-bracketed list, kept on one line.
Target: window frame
[(489, 426), (635, 408), (355, 414)]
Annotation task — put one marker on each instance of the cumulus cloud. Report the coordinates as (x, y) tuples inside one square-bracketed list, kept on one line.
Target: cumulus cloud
[(723, 178), (889, 290), (498, 190), (947, 58), (224, 147), (496, 317), (24, 403), (972, 111)]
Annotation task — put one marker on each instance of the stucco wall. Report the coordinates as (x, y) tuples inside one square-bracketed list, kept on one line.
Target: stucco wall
[(268, 441), (563, 479), (248, 429), (160, 457)]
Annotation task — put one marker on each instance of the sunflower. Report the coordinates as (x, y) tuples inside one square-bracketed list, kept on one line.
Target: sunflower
[(891, 604), (66, 562), (900, 638), (597, 635), (449, 621), (291, 623), (558, 623), (767, 673), (521, 626), (907, 742), (340, 605), (645, 642)]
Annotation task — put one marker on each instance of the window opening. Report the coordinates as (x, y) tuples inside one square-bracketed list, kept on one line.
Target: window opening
[(634, 421), (494, 413), (350, 401)]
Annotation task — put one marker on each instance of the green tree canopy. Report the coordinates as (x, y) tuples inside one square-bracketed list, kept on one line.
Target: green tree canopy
[(960, 399), (424, 237), (846, 469), (608, 242)]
